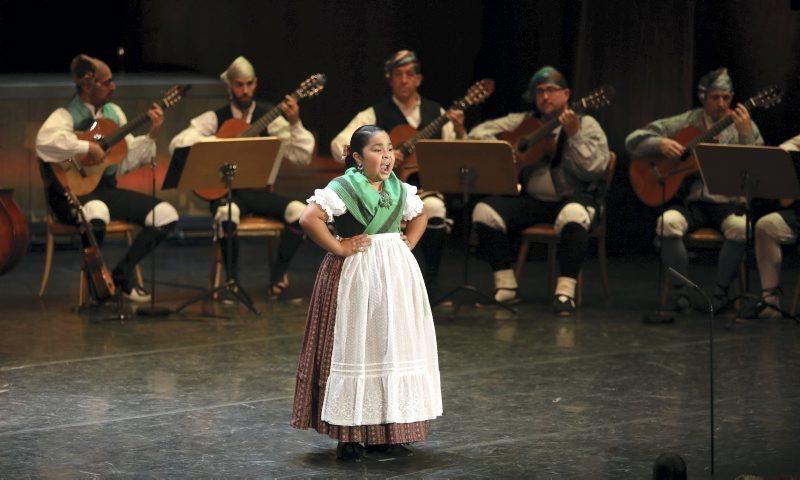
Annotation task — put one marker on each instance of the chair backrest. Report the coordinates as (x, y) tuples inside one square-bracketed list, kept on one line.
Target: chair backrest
[(600, 226), (610, 168)]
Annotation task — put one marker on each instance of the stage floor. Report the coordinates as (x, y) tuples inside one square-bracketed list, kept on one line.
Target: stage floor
[(598, 395)]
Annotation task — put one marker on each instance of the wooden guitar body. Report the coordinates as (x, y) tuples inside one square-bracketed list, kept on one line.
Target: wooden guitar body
[(68, 172), (534, 153), (647, 184), (408, 166)]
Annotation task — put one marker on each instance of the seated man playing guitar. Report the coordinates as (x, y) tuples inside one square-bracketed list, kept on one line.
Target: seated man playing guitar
[(403, 73), (772, 231), (564, 189), (57, 143), (297, 145), (693, 206)]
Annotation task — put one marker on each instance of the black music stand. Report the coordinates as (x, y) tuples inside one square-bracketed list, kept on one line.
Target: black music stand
[(467, 167), (751, 172), (210, 164)]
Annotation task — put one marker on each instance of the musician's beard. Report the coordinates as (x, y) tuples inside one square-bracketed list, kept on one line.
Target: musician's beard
[(243, 105)]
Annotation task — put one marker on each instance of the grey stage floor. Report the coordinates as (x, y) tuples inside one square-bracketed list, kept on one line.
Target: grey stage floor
[(599, 395)]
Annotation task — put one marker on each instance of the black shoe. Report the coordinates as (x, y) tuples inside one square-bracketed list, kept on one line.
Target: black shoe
[(400, 450), (678, 304), (563, 306), (350, 452), (280, 293), (721, 303)]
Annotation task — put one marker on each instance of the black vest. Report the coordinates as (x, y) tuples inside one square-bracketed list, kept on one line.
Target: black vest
[(388, 115), (225, 113)]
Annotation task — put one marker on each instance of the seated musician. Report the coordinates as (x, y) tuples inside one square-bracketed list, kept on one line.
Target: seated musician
[(694, 207), (772, 231), (403, 73), (563, 190), (297, 145), (57, 142)]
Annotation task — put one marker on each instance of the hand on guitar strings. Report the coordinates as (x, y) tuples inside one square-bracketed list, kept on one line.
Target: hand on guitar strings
[(290, 109), (741, 119), (570, 121), (95, 155), (156, 115), (457, 117), (670, 148)]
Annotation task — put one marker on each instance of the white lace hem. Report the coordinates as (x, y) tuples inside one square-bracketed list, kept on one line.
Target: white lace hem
[(399, 397)]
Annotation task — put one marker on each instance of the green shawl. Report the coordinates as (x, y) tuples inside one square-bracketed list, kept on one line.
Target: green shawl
[(378, 212)]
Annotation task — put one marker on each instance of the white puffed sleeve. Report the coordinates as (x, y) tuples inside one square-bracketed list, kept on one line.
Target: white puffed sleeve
[(413, 203), (328, 201)]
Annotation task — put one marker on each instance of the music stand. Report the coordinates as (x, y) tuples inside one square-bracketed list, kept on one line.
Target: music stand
[(749, 171), (210, 164), (467, 167)]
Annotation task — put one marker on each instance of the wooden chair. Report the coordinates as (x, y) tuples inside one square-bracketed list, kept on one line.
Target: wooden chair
[(250, 226), (57, 229), (702, 238), (545, 233)]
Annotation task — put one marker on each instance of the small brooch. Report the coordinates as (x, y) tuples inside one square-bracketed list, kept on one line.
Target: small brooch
[(385, 201)]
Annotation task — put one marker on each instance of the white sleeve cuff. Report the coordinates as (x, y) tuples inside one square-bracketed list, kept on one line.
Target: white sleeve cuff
[(413, 203), (329, 202)]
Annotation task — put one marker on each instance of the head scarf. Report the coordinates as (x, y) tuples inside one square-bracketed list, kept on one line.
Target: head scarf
[(398, 59), (83, 66), (716, 80), (544, 75), (240, 68)]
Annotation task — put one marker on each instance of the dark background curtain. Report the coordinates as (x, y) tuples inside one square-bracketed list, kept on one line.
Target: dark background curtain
[(653, 52)]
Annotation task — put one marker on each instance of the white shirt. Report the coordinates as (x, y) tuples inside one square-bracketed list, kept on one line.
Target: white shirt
[(297, 143), (367, 117), (57, 141), (792, 145)]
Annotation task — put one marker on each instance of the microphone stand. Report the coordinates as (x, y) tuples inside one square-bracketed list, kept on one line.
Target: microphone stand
[(153, 310), (674, 273)]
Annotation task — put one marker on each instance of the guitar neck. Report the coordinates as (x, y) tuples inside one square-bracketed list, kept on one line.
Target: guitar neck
[(262, 123), (709, 134), (408, 146), (114, 138)]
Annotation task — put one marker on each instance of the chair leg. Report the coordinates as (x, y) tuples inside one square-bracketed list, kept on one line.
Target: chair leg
[(795, 297), (522, 256), (579, 289), (601, 257), (82, 288), (48, 263), (551, 266)]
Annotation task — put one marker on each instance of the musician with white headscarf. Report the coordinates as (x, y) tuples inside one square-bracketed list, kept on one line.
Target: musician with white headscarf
[(297, 147)]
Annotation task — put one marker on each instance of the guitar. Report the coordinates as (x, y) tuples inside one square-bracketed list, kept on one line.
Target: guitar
[(405, 137), (239, 128), (83, 179), (533, 139), (93, 263), (656, 180)]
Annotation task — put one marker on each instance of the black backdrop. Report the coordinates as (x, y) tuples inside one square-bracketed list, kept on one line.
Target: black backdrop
[(652, 51)]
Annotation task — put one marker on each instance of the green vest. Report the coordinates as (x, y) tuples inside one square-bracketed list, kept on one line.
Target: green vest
[(82, 119)]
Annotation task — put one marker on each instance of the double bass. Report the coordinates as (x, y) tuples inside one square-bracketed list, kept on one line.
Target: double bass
[(14, 232)]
